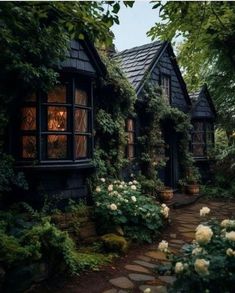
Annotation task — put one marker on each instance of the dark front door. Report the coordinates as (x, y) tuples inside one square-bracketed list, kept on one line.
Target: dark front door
[(171, 152)]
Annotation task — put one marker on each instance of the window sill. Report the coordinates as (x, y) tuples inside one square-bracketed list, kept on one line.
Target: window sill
[(57, 166)]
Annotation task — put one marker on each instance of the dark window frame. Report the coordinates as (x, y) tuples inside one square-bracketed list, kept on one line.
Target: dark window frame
[(207, 145), (132, 132), (41, 133)]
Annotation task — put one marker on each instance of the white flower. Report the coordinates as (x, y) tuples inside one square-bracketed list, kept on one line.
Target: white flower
[(133, 198), (230, 252), (147, 290), (135, 182), (163, 246), (98, 189), (203, 234), (230, 235), (102, 180), (130, 183), (165, 211), (204, 211), (120, 186), (227, 223), (133, 187), (97, 204), (179, 267), (197, 250), (110, 187), (123, 182), (113, 207), (201, 266)]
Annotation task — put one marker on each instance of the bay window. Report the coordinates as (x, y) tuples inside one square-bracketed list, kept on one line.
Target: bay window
[(57, 126)]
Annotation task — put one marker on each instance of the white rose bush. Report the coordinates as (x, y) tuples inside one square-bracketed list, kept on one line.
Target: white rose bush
[(208, 264), (121, 204)]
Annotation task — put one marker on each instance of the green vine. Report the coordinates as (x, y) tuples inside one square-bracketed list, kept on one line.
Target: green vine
[(114, 105), (153, 111)]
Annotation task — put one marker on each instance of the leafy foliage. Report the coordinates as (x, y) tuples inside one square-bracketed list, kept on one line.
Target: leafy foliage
[(154, 111), (114, 106), (8, 177), (121, 205), (207, 52)]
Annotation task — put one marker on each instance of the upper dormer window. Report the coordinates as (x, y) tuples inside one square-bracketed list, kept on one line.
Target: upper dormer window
[(166, 87), (57, 125)]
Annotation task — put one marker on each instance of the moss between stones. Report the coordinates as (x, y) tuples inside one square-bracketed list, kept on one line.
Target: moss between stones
[(113, 242)]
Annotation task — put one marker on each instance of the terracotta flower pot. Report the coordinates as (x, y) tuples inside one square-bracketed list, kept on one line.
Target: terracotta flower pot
[(166, 194), (192, 189)]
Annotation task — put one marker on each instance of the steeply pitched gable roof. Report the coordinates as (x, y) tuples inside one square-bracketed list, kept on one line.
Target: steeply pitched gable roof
[(198, 99), (137, 62)]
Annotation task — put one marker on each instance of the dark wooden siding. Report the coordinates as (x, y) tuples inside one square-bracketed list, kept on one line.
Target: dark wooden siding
[(202, 108), (165, 66)]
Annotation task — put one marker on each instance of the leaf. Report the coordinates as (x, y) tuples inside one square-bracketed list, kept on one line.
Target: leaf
[(129, 3)]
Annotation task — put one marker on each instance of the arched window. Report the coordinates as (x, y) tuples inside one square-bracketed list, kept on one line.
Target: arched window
[(57, 126)]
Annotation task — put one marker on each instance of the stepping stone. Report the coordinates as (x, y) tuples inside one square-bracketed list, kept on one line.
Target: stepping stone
[(137, 268), (154, 289), (157, 255), (145, 258), (178, 241), (145, 264), (141, 277), (168, 279), (110, 291), (122, 282), (173, 235), (122, 291)]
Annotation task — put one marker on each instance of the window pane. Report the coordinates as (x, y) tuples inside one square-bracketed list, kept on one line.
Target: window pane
[(80, 146), (28, 147), (130, 138), (198, 150), (130, 125), (81, 97), (57, 118), (57, 146), (165, 84), (81, 120), (130, 151), (57, 95), (198, 137), (28, 118), (198, 126)]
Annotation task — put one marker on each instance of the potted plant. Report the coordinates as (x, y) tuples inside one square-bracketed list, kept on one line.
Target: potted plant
[(165, 192), (192, 181)]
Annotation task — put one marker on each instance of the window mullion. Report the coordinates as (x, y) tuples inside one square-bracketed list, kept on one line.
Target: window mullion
[(73, 122)]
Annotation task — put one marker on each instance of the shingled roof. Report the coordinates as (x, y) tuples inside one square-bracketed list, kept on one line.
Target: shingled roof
[(137, 61)]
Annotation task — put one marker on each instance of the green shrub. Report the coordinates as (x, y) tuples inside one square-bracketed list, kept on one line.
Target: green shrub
[(121, 204)]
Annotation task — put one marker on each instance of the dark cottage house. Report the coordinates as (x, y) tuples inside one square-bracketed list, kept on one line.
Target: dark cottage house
[(54, 141), (156, 63), (203, 115)]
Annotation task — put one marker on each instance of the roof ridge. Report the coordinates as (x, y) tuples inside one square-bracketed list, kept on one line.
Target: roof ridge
[(140, 47)]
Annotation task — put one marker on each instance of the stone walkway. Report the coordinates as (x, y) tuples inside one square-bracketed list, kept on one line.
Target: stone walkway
[(139, 274)]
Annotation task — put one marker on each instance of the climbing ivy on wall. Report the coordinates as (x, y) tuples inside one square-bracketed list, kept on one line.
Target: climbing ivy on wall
[(153, 110), (114, 104)]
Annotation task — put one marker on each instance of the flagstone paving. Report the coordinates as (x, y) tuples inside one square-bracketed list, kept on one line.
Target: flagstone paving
[(136, 272), (182, 230)]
